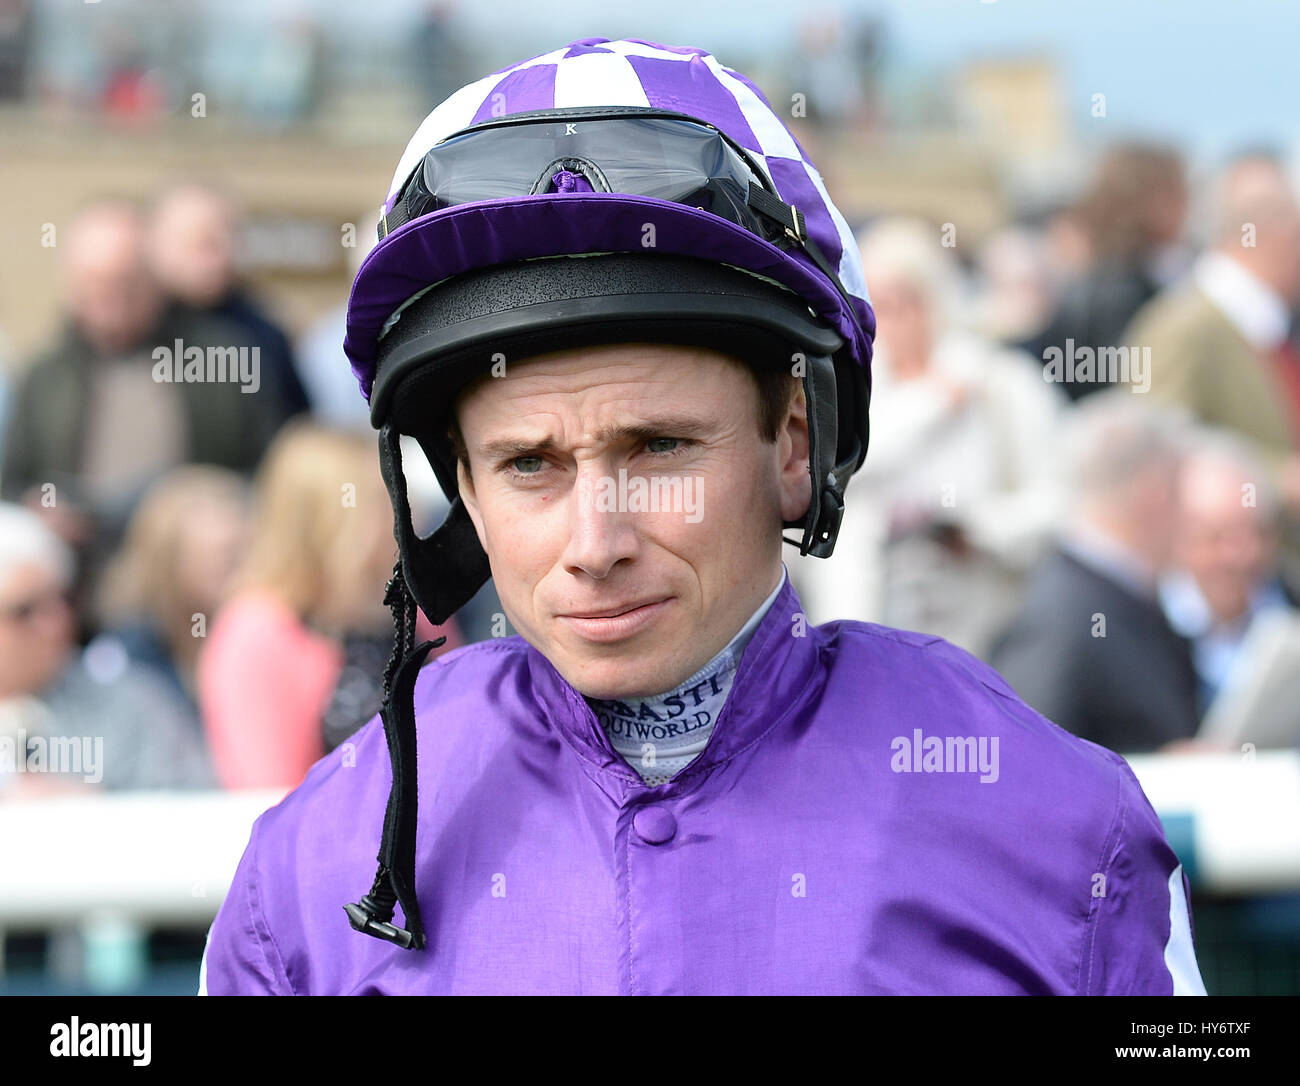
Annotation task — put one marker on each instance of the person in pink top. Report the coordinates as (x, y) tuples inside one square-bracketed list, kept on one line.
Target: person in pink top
[(310, 587)]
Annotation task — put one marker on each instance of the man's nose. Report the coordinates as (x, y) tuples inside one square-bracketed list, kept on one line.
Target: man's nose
[(602, 532)]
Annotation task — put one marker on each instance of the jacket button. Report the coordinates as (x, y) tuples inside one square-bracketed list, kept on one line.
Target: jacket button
[(654, 825)]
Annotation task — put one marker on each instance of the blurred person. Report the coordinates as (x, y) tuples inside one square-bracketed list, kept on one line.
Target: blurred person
[(192, 240), (17, 36), (1069, 247), (1133, 213), (331, 387), (961, 490), (1219, 343), (286, 78), (6, 391), (161, 590), (121, 727), (436, 34), (100, 414), (1016, 291), (309, 591), (1090, 648), (827, 69), (1226, 573), (35, 636)]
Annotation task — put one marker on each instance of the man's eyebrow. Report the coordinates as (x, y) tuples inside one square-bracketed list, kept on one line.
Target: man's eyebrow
[(687, 426)]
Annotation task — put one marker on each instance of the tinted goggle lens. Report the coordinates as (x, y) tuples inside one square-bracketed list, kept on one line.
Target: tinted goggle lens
[(668, 159)]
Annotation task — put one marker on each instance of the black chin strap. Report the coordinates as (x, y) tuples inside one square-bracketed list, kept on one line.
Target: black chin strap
[(431, 573), (395, 881)]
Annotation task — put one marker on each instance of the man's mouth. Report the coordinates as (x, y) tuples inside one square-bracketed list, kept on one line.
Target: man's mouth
[(616, 622), (610, 612)]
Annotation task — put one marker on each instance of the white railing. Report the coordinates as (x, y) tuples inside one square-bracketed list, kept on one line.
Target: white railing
[(98, 872), (158, 857), (1245, 815)]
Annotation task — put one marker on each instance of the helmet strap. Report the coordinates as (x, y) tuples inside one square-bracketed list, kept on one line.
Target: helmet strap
[(394, 882), (821, 525)]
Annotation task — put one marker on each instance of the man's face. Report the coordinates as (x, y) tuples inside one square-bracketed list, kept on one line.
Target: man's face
[(559, 450), (904, 317), (108, 289), (1260, 193), (193, 247), (36, 629), (1227, 544), (1152, 509)]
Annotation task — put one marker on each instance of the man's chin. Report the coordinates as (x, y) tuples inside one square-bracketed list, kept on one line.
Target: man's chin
[(614, 672)]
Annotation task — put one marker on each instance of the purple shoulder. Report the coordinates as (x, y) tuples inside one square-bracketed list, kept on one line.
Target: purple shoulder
[(926, 659)]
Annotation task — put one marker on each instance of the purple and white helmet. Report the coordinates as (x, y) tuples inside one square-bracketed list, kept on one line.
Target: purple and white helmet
[(597, 72)]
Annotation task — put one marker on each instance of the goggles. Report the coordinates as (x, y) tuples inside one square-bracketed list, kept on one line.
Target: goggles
[(632, 150), (629, 150)]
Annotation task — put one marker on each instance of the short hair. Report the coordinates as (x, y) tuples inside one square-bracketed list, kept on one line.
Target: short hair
[(1115, 209), (25, 540), (1112, 436), (911, 249), (1212, 445), (1252, 186), (776, 390)]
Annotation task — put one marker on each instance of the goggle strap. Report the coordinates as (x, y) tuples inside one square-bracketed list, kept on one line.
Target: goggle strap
[(816, 255), (789, 218), (399, 216)]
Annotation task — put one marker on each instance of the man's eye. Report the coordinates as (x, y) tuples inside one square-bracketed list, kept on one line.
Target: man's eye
[(526, 465), (654, 440)]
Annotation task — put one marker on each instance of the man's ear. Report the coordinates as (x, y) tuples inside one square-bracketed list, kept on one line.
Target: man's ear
[(795, 448)]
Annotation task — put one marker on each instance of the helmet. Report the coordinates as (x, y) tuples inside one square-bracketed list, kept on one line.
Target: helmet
[(609, 191)]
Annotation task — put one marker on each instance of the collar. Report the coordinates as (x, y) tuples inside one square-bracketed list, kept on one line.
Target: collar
[(778, 670), (1255, 308), (1184, 606), (1190, 615)]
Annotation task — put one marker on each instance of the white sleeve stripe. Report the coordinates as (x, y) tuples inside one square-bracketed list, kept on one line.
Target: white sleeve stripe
[(203, 966), (1180, 957)]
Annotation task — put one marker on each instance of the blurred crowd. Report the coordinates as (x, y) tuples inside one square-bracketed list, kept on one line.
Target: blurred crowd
[(1084, 468), (1084, 464), (191, 569)]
